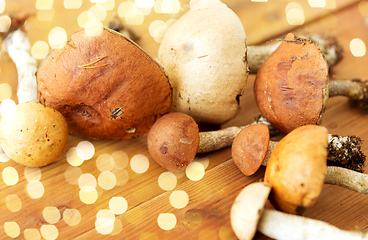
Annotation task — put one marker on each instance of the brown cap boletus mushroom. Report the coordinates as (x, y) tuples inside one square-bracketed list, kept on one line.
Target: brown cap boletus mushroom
[(296, 168), (173, 141), (292, 86), (106, 86)]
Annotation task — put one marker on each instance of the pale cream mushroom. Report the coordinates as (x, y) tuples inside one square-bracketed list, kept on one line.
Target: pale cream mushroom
[(249, 215)]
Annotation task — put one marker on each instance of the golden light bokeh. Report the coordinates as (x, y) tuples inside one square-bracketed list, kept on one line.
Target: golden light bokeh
[(72, 217), (87, 148), (75, 156), (72, 174), (51, 215), (5, 23), (72, 4), (139, 163), (35, 189), (167, 181), (166, 221), (106, 180), (121, 159), (7, 108), (179, 199), (358, 47), (88, 195), (105, 162), (195, 171), (294, 14), (13, 203), (44, 4), (40, 49), (31, 234), (118, 205), (10, 176), (49, 232), (87, 179), (12, 229), (32, 173), (57, 37)]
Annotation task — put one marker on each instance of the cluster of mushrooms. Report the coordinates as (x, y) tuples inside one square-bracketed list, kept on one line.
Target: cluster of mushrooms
[(107, 87)]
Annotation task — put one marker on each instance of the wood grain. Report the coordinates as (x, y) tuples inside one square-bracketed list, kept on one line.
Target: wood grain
[(207, 214)]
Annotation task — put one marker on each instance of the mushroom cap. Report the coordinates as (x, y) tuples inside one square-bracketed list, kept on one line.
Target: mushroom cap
[(106, 86), (205, 59), (173, 141), (250, 147), (292, 85), (248, 208), (35, 135), (296, 169)]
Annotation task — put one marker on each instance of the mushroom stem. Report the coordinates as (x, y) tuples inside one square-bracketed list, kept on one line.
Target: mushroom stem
[(280, 225), (17, 44), (344, 151), (347, 178), (355, 89)]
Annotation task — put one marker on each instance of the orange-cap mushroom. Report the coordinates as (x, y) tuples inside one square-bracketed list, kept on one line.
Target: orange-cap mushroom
[(292, 86), (296, 168)]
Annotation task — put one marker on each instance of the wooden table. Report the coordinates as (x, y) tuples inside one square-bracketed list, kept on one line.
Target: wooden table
[(59, 211)]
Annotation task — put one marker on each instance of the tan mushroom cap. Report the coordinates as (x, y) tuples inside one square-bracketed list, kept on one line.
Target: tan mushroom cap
[(35, 136), (173, 141), (292, 85), (247, 209), (106, 86), (296, 169), (249, 148)]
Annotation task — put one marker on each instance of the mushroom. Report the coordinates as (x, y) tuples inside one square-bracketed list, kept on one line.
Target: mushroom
[(205, 57), (248, 214), (296, 166), (174, 140), (292, 86), (35, 135), (105, 85), (342, 150)]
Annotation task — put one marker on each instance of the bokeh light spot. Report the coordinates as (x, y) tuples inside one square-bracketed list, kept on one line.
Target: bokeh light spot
[(118, 205), (105, 162), (167, 181), (205, 161), (8, 108), (166, 221), (46, 15), (88, 149), (5, 23), (226, 232), (40, 49), (317, 3), (85, 17), (75, 156), (139, 163), (72, 4), (49, 232), (31, 234), (51, 215), (170, 6), (105, 222), (118, 227), (13, 203), (35, 189), (2, 6), (363, 8), (87, 179), (93, 27), (120, 158), (57, 37), (107, 180), (121, 175), (10, 176), (99, 11), (358, 47), (195, 171), (12, 229), (72, 217), (88, 195), (295, 14), (179, 199), (44, 4), (72, 174)]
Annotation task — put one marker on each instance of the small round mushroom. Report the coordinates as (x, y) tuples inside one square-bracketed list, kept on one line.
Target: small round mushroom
[(248, 214), (35, 135), (292, 86), (106, 86)]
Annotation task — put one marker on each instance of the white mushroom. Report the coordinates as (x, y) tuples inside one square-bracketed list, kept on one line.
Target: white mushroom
[(248, 215)]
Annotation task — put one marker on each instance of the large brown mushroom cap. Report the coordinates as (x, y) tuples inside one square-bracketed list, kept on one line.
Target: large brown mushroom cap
[(296, 169), (106, 86), (173, 141), (291, 87)]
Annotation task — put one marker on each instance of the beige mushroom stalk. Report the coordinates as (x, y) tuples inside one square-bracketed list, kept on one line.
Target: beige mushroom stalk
[(249, 215), (35, 135)]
